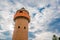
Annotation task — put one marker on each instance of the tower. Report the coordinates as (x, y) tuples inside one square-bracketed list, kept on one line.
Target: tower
[(21, 19)]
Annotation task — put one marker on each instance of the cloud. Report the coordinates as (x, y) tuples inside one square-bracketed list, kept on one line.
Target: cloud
[(0, 27), (31, 35), (45, 36), (2, 36), (41, 9), (48, 5), (39, 24), (55, 25)]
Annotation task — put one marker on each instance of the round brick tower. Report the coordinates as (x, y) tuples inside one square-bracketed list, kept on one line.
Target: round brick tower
[(21, 19)]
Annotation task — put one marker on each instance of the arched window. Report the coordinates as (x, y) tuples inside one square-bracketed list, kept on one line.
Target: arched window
[(24, 27), (21, 11), (18, 26)]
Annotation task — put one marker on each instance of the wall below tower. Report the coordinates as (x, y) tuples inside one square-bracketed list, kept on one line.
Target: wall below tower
[(20, 29)]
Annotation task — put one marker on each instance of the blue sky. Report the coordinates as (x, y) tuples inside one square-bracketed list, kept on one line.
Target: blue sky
[(45, 18)]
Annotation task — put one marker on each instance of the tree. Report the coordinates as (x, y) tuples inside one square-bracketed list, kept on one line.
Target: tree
[(54, 37), (59, 38)]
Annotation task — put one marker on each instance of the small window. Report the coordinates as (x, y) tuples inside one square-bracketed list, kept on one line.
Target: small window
[(21, 11), (24, 27), (18, 26)]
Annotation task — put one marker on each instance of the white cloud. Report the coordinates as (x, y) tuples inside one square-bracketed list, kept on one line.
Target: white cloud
[(39, 22), (46, 36), (2, 36)]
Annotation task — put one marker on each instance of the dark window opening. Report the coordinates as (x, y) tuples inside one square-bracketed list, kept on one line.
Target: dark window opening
[(21, 11), (18, 26), (24, 27)]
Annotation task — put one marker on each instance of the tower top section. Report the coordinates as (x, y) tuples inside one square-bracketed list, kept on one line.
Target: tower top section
[(22, 13)]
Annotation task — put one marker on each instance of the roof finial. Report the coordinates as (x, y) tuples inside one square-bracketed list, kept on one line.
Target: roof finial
[(23, 8)]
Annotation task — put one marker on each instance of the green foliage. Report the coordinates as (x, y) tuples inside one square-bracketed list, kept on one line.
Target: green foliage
[(54, 37)]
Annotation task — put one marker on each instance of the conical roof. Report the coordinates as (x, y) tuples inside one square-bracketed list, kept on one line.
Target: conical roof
[(22, 13)]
